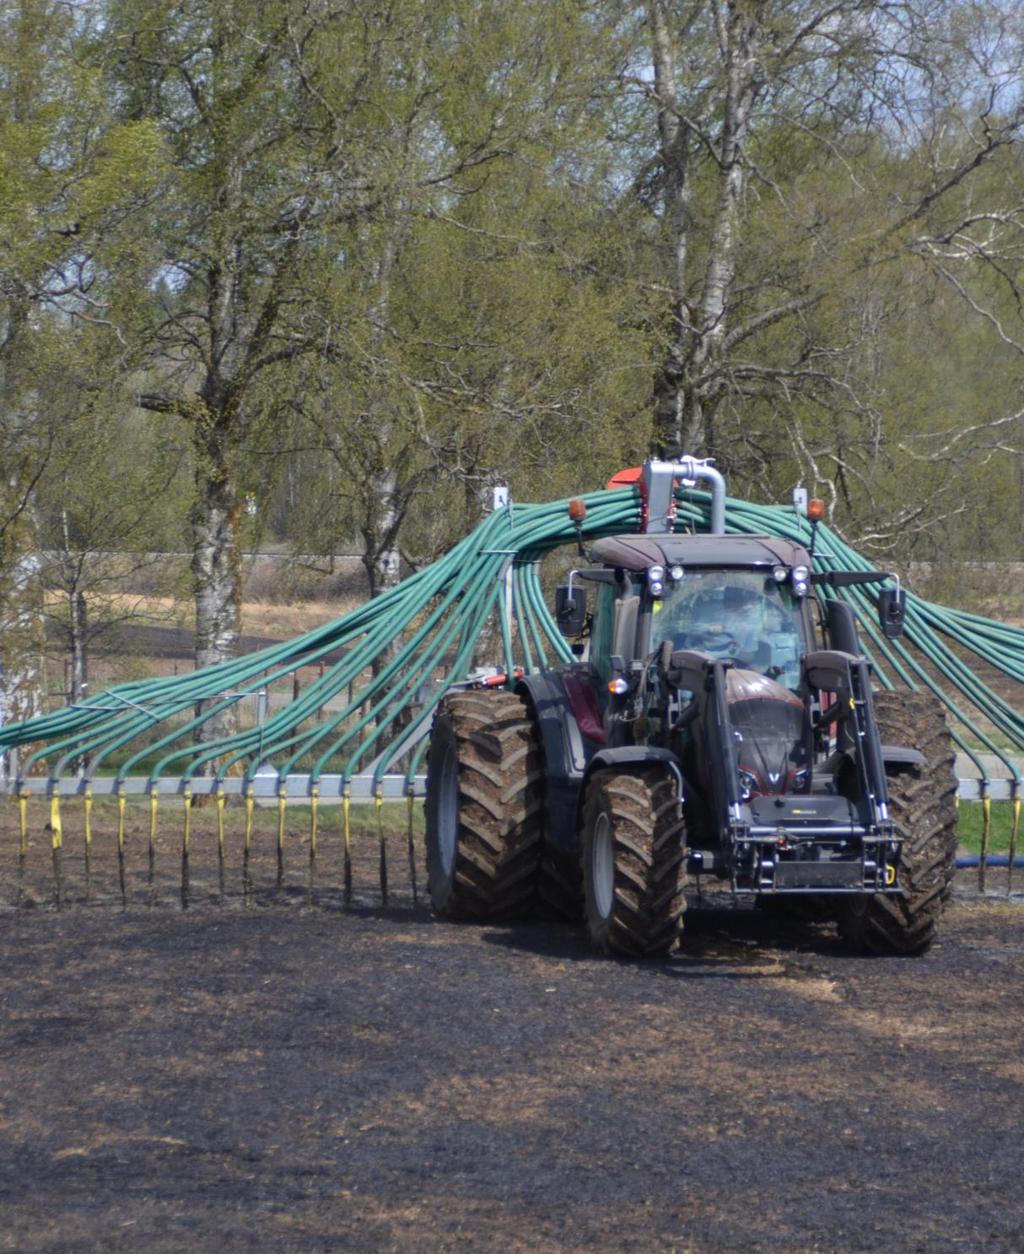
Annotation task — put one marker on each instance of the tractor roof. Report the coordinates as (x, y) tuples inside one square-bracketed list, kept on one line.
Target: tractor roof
[(639, 552)]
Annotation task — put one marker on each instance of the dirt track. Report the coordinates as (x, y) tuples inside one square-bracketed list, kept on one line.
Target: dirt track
[(290, 1079)]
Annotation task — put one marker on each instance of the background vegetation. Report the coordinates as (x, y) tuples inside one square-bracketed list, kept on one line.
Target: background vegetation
[(317, 273)]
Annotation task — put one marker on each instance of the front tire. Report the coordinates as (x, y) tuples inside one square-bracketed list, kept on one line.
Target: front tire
[(633, 862), (484, 807), (922, 804)]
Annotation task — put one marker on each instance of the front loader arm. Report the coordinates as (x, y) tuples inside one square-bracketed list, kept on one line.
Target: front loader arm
[(848, 677), (704, 676)]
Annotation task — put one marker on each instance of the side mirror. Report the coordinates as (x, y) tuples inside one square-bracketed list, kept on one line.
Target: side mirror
[(892, 610), (570, 609)]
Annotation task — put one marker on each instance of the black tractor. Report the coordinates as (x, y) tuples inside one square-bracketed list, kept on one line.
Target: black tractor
[(722, 724)]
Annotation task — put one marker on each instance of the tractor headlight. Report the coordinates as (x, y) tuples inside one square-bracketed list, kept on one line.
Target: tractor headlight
[(656, 580), (675, 573), (780, 574), (801, 580)]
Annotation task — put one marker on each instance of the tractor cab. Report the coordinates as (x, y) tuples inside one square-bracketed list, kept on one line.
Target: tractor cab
[(740, 598), (740, 601)]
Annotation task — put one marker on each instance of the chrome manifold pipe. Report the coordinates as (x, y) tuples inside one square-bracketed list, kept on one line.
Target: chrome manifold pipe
[(659, 480)]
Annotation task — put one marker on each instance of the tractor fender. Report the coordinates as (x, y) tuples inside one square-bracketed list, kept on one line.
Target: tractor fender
[(566, 753), (631, 755), (570, 756), (636, 755)]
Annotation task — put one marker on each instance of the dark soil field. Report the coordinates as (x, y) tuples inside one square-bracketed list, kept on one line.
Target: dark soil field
[(275, 1071)]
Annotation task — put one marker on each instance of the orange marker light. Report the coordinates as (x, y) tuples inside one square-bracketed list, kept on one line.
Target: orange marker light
[(577, 510), (816, 509)]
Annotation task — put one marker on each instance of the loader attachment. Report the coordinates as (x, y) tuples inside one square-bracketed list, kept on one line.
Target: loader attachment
[(786, 829)]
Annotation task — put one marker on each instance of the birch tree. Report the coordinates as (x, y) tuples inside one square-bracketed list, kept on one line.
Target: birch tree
[(483, 341), (285, 126), (737, 88), (71, 177)]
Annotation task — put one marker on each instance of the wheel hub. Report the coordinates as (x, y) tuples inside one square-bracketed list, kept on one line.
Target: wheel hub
[(448, 811), (603, 866)]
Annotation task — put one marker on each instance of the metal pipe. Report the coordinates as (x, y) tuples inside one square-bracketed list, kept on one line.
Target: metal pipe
[(659, 479), (695, 469), (996, 860)]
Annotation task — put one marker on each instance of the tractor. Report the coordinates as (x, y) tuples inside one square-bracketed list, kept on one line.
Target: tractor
[(719, 724)]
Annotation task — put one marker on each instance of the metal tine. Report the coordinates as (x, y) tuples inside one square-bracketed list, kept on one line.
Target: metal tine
[(186, 843), (154, 802), (87, 851), (382, 839), (121, 849), (314, 803), (347, 835), (56, 846), (247, 846), (221, 801), (412, 852), (282, 802)]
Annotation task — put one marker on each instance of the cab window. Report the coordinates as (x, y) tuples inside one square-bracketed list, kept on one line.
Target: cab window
[(739, 614), (601, 631)]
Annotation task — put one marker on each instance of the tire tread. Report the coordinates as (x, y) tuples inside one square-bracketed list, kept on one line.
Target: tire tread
[(649, 861), (500, 810), (922, 804)]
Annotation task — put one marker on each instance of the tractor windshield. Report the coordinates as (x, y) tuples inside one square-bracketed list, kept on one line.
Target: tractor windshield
[(740, 614)]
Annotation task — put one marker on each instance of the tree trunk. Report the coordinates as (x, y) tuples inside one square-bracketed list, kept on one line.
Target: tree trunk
[(71, 581), (687, 386), (380, 556), (704, 383), (216, 561), (21, 623), (380, 533), (21, 646), (674, 153), (79, 647)]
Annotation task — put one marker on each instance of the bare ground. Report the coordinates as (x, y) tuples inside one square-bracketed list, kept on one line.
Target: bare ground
[(272, 1069), (255, 1074)]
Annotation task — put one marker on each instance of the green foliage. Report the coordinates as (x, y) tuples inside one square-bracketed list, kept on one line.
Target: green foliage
[(360, 263), (971, 825)]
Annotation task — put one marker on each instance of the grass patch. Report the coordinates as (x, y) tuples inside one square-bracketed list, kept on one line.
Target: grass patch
[(971, 826)]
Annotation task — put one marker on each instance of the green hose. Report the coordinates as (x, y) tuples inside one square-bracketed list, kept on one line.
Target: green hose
[(396, 656)]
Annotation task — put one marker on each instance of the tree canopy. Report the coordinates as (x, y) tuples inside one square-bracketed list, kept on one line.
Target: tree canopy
[(359, 262)]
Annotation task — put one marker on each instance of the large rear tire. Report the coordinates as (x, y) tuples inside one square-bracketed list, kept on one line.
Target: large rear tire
[(484, 808), (922, 804), (634, 867)]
